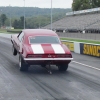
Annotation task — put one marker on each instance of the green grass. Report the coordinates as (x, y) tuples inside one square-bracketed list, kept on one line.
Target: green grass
[(3, 30), (12, 31), (81, 40), (16, 29)]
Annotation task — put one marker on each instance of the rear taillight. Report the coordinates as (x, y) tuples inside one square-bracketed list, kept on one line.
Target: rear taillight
[(34, 56)]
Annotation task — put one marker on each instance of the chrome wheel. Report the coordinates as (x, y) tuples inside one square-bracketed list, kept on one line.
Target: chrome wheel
[(14, 51), (19, 62), (22, 65)]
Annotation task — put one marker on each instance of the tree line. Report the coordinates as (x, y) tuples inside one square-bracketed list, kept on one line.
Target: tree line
[(3, 18), (85, 4), (31, 11), (30, 22), (34, 17), (38, 17)]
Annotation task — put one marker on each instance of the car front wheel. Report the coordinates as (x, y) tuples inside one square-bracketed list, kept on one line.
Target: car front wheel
[(22, 65), (62, 67), (14, 51)]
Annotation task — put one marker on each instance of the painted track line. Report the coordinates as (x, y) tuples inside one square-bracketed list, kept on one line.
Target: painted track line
[(86, 65)]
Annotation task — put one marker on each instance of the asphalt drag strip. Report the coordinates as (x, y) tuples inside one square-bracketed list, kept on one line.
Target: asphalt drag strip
[(78, 83)]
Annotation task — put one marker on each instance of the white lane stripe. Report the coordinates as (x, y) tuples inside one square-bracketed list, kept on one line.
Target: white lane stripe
[(37, 49), (58, 49), (86, 65)]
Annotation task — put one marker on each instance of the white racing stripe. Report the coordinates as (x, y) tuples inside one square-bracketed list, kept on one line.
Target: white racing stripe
[(86, 65), (58, 49), (37, 49)]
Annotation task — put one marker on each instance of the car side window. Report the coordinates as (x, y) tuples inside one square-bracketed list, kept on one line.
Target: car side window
[(20, 37)]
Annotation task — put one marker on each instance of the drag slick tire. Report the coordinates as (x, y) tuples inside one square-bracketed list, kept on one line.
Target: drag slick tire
[(43, 65), (62, 67), (22, 65), (14, 51)]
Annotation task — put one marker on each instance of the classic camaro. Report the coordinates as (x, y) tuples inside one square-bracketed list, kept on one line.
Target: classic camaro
[(40, 47)]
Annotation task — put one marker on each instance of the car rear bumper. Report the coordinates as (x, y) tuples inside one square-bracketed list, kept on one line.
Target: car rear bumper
[(37, 59)]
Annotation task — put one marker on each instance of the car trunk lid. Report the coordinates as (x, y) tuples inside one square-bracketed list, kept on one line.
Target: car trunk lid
[(47, 49)]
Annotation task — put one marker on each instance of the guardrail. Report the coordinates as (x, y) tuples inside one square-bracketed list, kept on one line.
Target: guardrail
[(83, 48)]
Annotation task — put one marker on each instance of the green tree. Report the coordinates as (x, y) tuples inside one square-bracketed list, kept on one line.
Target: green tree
[(19, 23), (0, 21), (16, 24), (3, 19), (95, 3), (36, 21), (85, 4), (22, 22), (76, 5)]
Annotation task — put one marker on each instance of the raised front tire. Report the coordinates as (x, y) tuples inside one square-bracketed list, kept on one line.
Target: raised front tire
[(14, 51), (22, 65), (63, 67)]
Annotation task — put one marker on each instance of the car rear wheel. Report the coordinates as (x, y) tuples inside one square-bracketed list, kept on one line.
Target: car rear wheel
[(43, 65), (63, 67), (22, 65), (14, 51)]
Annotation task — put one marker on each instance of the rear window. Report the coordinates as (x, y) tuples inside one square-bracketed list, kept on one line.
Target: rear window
[(44, 39)]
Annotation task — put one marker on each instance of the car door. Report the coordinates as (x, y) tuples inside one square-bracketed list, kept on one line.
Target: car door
[(19, 42)]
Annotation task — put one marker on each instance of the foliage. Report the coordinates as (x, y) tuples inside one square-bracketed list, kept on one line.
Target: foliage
[(85, 4), (76, 5), (3, 18), (36, 21), (31, 11), (35, 17), (18, 23)]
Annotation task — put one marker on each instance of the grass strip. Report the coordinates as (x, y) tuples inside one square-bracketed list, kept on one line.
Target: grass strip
[(11, 31)]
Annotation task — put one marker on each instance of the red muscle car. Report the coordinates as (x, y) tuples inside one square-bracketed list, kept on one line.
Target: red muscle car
[(40, 47)]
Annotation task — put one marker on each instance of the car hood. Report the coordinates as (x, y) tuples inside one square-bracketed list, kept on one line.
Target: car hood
[(49, 49)]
